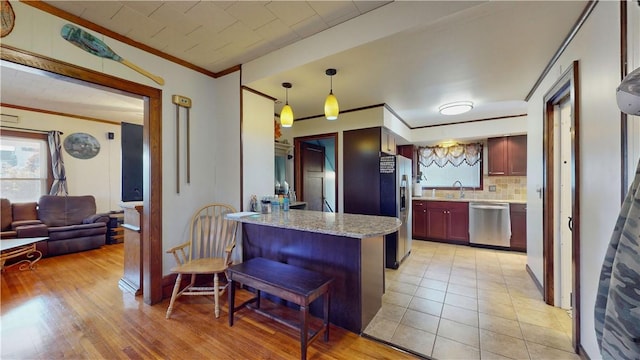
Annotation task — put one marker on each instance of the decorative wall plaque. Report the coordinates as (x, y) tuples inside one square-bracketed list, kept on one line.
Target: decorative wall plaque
[(8, 18), (81, 145)]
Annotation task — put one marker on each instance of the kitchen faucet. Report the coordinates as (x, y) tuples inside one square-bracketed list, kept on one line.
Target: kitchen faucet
[(461, 188)]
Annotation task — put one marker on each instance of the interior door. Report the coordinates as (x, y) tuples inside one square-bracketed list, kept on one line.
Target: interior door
[(565, 217), (313, 176)]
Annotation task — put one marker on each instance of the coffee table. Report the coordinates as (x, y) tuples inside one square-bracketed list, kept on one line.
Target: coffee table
[(12, 248)]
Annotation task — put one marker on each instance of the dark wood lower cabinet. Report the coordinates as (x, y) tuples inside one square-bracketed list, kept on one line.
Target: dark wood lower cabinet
[(446, 221), (419, 219), (518, 215)]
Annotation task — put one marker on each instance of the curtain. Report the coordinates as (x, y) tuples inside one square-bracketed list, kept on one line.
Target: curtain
[(59, 186), (617, 307), (455, 155)]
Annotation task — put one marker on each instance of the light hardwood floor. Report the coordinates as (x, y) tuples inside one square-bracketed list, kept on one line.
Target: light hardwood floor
[(71, 307)]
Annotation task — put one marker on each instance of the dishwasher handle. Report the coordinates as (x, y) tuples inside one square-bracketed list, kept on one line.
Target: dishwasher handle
[(494, 206)]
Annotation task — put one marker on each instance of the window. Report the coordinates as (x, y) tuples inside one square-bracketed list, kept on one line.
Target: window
[(441, 166), (25, 164)]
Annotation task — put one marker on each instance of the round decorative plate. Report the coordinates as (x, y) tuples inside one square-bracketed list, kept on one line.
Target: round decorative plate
[(81, 145), (8, 18)]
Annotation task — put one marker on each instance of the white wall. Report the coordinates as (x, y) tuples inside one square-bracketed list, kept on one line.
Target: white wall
[(99, 176), (215, 107), (596, 46), (257, 146)]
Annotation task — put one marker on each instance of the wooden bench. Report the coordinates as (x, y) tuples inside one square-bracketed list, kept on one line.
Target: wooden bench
[(288, 282)]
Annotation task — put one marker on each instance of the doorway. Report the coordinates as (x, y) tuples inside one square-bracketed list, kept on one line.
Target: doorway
[(316, 171), (152, 144), (561, 196)]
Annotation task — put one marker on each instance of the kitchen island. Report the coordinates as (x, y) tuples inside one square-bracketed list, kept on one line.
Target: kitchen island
[(347, 247)]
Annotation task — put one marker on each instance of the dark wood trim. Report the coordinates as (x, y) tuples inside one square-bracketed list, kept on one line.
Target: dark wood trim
[(297, 167), (535, 279), (341, 112), (42, 111), (228, 71), (624, 127), (33, 134), (399, 118), (575, 233), (152, 147), (567, 86), (470, 121), (48, 8), (583, 353), (241, 144), (565, 43), (243, 87), (386, 106)]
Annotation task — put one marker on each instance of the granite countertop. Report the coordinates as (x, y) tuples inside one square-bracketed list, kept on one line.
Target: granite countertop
[(428, 198), (349, 225)]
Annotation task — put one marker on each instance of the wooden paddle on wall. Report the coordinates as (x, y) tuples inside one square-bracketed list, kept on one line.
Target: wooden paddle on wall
[(95, 46)]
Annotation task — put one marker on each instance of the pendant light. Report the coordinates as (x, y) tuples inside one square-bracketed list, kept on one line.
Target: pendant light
[(286, 115), (331, 108)]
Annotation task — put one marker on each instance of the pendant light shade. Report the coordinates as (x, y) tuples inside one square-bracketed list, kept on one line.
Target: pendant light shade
[(286, 114), (331, 108)]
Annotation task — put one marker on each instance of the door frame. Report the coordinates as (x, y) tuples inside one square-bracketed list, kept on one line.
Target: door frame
[(567, 85), (151, 237), (297, 168)]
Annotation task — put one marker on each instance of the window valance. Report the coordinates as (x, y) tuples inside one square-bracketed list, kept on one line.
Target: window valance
[(455, 155)]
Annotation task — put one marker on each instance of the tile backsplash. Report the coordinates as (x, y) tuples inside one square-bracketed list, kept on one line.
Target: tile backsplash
[(507, 188)]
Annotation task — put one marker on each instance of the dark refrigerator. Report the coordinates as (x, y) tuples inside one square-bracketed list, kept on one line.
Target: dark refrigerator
[(395, 200)]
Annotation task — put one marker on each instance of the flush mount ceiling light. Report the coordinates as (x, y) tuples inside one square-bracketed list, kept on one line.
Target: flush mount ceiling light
[(456, 108), (286, 115), (331, 108)]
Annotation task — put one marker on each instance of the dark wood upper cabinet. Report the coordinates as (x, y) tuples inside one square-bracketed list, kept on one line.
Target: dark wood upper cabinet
[(409, 151), (507, 155)]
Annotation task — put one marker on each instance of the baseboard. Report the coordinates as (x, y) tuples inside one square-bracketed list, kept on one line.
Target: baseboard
[(535, 280), (168, 281)]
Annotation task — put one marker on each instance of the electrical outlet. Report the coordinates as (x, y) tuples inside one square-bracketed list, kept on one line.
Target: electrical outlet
[(492, 188), (181, 101)]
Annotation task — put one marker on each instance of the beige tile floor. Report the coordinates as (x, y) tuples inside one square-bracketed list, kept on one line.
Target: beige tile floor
[(459, 302)]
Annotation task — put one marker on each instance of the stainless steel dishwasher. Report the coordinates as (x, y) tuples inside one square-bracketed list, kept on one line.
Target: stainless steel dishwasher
[(489, 224)]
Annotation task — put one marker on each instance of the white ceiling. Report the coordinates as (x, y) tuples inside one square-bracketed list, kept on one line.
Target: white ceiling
[(490, 53), (26, 87)]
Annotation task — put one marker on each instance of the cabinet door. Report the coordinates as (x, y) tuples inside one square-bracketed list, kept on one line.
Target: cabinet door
[(387, 142), (497, 156), (458, 222), (419, 219), (436, 222), (517, 150), (518, 214), (361, 172), (408, 151)]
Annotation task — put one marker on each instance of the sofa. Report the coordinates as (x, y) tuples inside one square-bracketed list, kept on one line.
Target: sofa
[(20, 220), (70, 222)]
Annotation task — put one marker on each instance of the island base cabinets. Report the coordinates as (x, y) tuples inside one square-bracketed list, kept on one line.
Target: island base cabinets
[(448, 221), (507, 155), (518, 214), (419, 229)]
